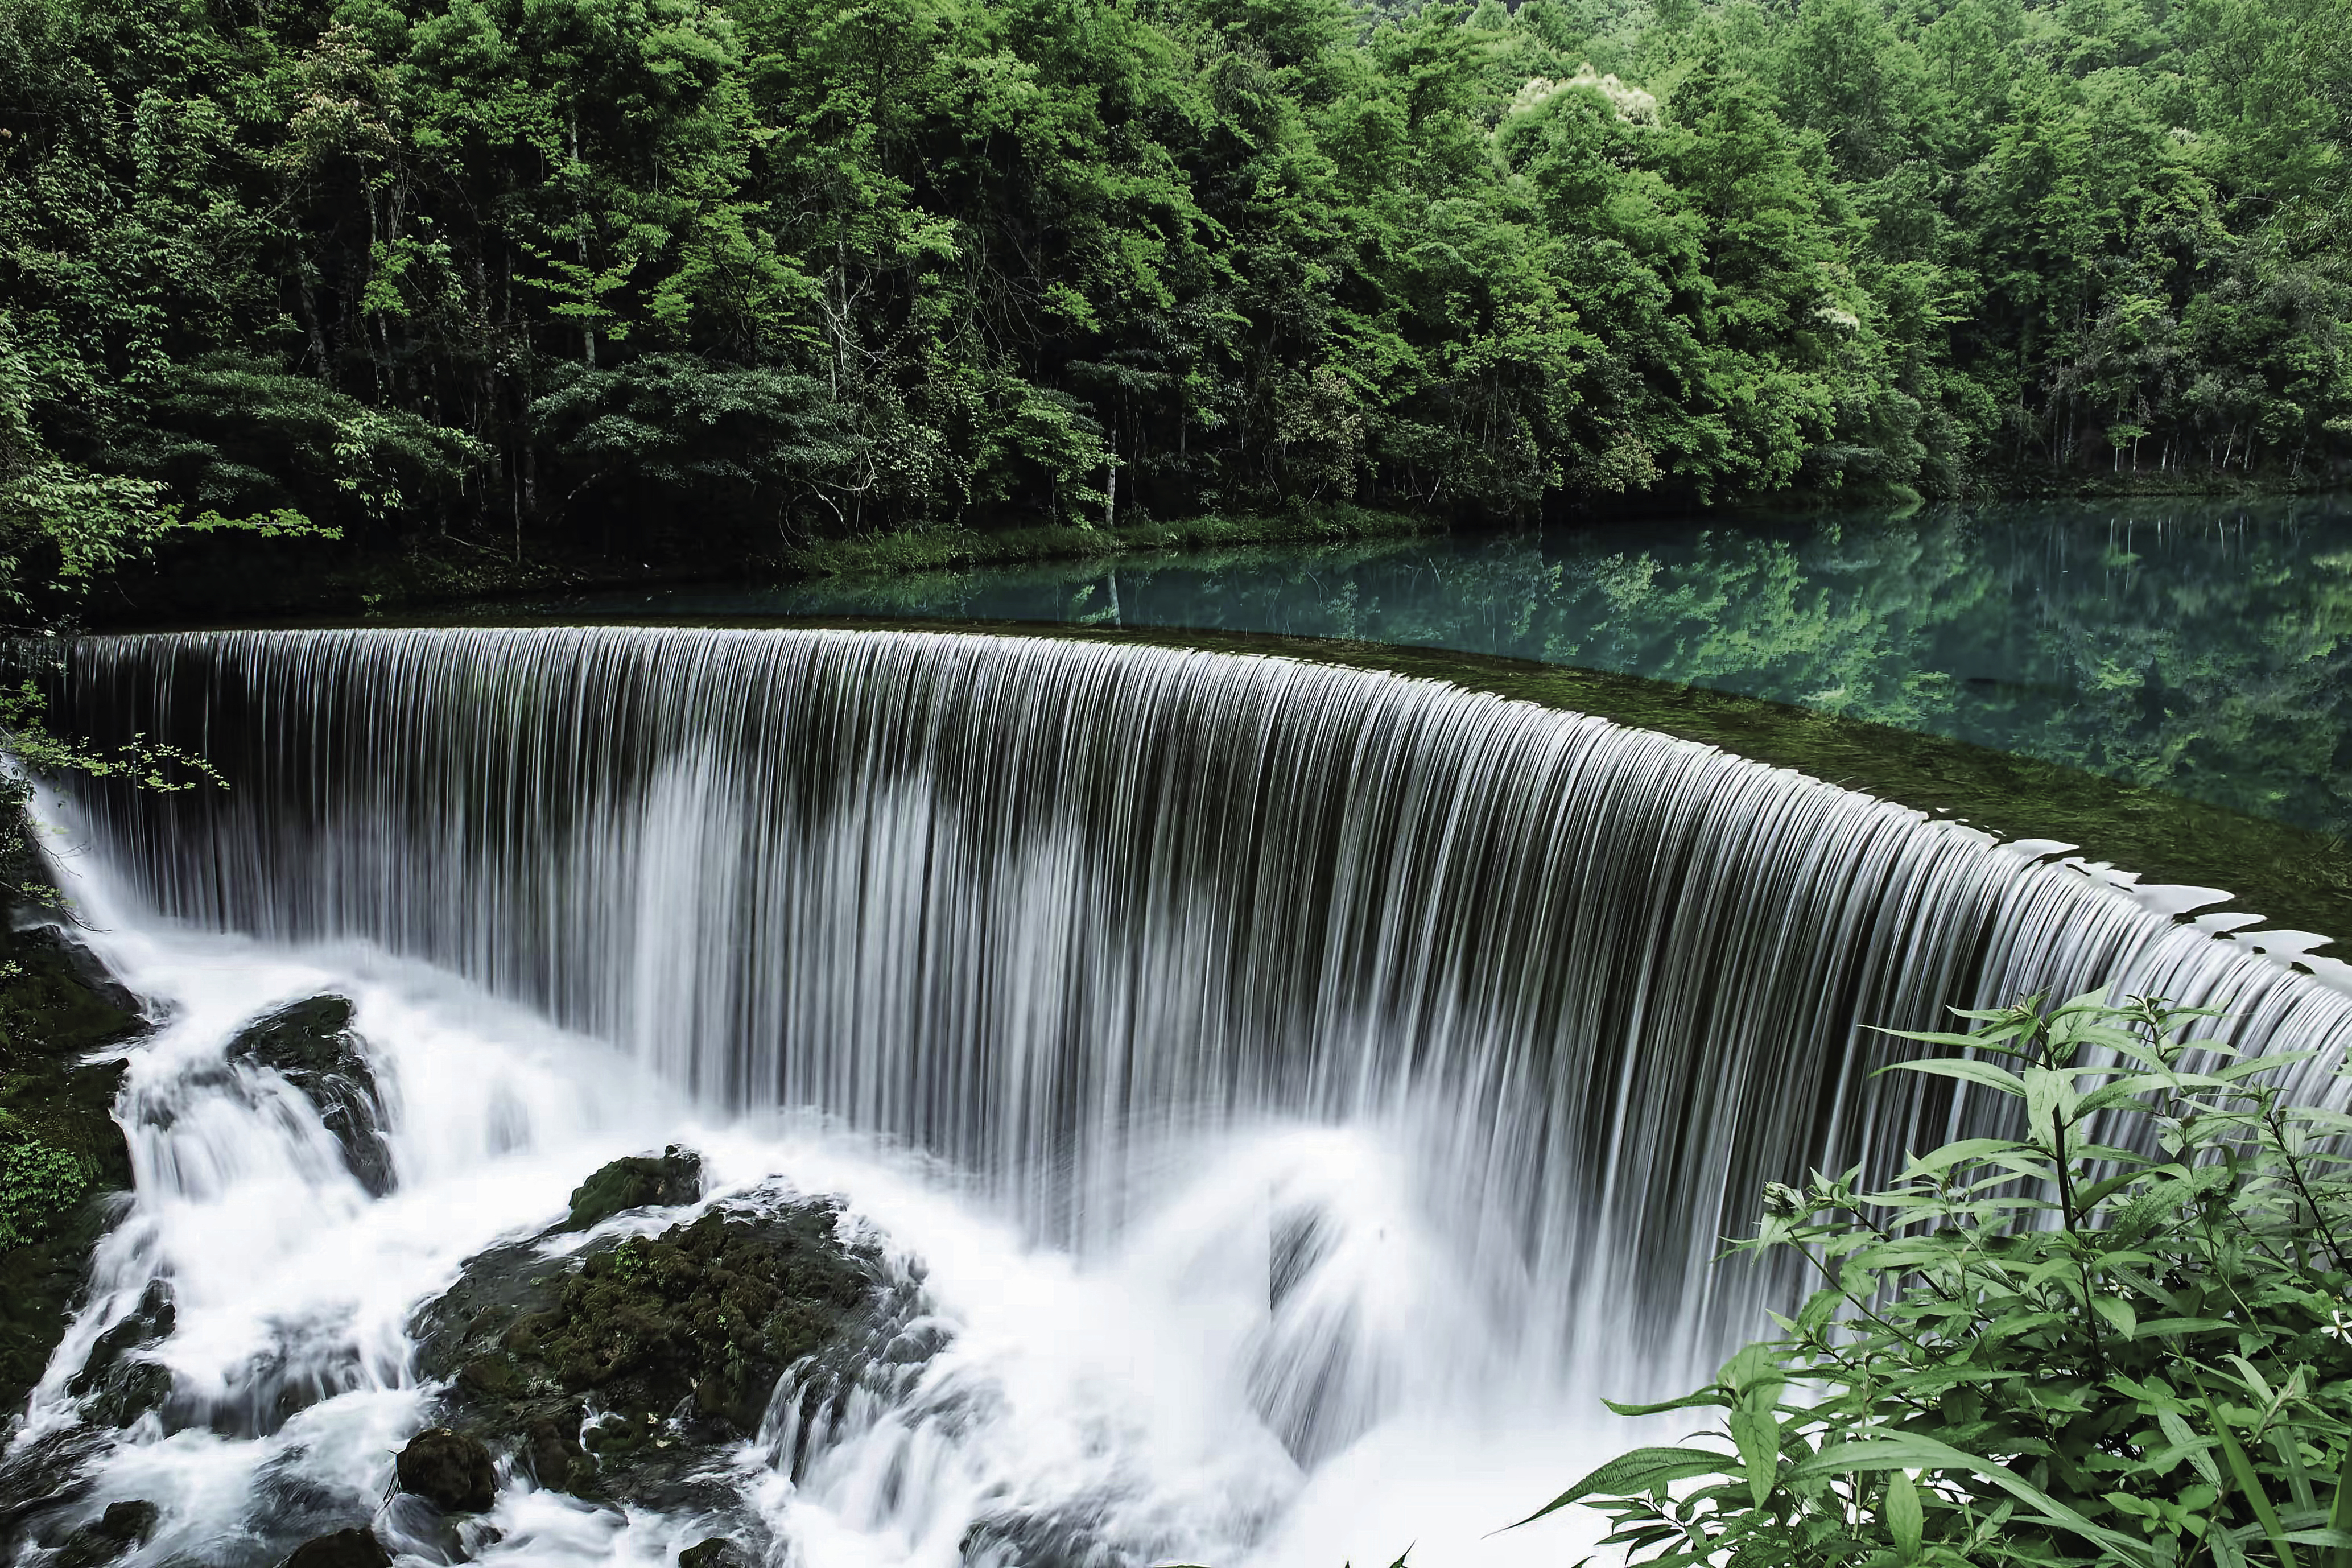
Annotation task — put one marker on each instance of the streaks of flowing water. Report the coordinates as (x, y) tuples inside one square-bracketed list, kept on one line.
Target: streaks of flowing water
[(1129, 1407), (1342, 1078)]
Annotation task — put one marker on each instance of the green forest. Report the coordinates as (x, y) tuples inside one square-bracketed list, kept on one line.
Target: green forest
[(709, 278)]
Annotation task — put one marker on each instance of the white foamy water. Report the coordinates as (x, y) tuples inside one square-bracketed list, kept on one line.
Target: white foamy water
[(1280, 1360)]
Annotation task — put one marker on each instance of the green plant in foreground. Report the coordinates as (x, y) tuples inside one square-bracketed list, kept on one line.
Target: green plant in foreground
[(2121, 1337)]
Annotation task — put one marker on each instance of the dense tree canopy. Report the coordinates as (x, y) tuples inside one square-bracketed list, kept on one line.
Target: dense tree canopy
[(733, 270)]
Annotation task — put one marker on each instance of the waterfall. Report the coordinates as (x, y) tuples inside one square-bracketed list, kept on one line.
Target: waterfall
[(1294, 1092), (1040, 907)]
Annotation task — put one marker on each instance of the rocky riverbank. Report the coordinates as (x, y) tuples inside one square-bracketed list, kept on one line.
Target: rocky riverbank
[(622, 1357), (63, 1162)]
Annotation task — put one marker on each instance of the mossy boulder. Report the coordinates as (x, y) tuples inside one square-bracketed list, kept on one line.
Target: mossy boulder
[(640, 1181), (448, 1470), (676, 1340), (343, 1549), (312, 1046), (61, 1154)]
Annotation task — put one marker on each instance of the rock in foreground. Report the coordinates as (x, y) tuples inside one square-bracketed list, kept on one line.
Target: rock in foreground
[(638, 1182), (59, 1146), (311, 1045), (343, 1549), (114, 1536), (677, 1339), (118, 1384), (451, 1471)]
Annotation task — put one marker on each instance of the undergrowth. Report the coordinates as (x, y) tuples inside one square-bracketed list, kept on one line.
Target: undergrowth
[(2118, 1338)]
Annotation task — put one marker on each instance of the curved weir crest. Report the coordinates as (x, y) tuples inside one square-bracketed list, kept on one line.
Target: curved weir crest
[(1125, 934)]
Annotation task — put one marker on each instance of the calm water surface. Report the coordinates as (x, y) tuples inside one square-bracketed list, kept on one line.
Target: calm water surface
[(2193, 647)]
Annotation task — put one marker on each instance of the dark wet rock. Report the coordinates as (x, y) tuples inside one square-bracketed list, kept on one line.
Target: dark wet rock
[(448, 1470), (675, 1342), (716, 1552), (311, 1045), (343, 1549), (43, 1480), (705, 1316), (118, 1384), (552, 1452), (641, 1181), (124, 1527), (56, 1118)]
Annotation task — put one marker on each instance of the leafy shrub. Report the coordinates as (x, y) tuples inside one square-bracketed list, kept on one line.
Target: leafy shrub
[(2119, 1338), (37, 1184)]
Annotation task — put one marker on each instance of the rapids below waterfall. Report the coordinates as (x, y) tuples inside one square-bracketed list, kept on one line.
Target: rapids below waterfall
[(1125, 1387), (1294, 1094)]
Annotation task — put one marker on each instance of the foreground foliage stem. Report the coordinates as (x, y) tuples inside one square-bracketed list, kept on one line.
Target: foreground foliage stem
[(2118, 1337)]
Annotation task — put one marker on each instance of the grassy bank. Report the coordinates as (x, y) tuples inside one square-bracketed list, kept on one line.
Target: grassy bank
[(956, 548), (206, 582), (203, 584)]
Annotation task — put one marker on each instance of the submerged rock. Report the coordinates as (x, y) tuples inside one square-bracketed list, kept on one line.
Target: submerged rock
[(409, 1526), (638, 1182), (311, 1045), (343, 1549), (107, 1538), (716, 1552), (451, 1471), (625, 1372)]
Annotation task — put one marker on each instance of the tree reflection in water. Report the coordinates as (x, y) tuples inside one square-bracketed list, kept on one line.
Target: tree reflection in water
[(2194, 646)]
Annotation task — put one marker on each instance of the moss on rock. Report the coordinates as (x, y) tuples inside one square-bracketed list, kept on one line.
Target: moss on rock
[(641, 1181), (451, 1471), (61, 1154), (675, 1341)]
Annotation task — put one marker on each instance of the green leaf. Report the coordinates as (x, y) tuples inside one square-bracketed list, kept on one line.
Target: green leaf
[(1988, 1041), (2185, 1442), (1983, 1074), (1643, 1470), (1964, 1150), (1705, 1396), (2250, 1485), (2339, 1516), (1756, 1433), (1905, 1520), (1903, 1450)]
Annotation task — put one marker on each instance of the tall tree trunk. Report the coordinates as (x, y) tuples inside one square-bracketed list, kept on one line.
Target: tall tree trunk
[(580, 231)]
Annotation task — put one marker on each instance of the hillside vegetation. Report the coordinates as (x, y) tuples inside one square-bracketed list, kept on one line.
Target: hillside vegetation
[(682, 277)]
